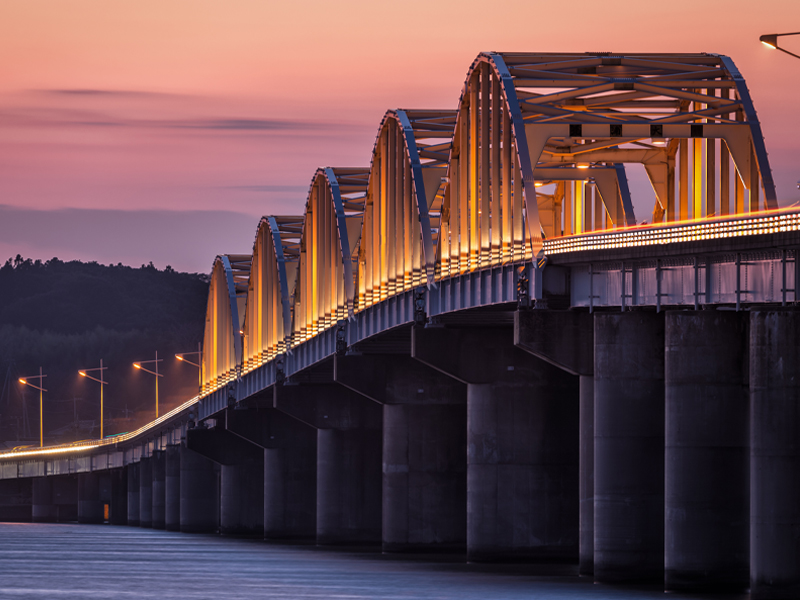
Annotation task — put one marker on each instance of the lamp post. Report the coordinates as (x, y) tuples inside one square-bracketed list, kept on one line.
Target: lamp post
[(770, 40), (102, 382), (40, 377), (138, 365), (182, 357)]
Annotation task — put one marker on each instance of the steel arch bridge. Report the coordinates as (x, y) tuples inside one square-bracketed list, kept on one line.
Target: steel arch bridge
[(484, 204), (457, 204)]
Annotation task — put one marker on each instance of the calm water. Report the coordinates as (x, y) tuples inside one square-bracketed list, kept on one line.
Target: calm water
[(101, 561)]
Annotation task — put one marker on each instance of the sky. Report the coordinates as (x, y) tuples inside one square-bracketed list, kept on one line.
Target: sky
[(161, 130)]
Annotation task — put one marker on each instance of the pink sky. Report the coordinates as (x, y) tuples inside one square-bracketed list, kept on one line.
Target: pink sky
[(221, 112)]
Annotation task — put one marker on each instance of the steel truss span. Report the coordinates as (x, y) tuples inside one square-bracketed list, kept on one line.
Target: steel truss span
[(465, 207)]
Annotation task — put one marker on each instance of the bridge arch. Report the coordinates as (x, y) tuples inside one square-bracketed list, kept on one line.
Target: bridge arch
[(325, 289), (687, 118), (222, 340), (402, 208), (273, 274)]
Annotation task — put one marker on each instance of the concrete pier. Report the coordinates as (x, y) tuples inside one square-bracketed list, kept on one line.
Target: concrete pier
[(16, 499), (522, 444), (629, 446), (290, 469), (424, 449), (90, 505), (775, 454), (118, 509), (133, 471), (706, 524), (199, 504), (348, 458), (159, 489), (241, 467), (566, 339), (43, 507), (172, 488), (146, 492)]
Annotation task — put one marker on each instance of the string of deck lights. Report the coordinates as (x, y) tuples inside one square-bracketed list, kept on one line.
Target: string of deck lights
[(684, 232)]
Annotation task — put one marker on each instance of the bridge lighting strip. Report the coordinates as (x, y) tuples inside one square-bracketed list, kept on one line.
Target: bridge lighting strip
[(682, 232), (81, 446)]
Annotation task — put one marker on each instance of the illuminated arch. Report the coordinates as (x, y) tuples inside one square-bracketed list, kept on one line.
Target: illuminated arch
[(687, 118), (222, 341), (401, 215), (268, 315), (325, 288)]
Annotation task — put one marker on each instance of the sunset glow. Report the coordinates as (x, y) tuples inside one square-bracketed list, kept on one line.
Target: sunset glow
[(134, 131)]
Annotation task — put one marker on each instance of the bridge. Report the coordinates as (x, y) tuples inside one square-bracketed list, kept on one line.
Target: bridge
[(472, 344)]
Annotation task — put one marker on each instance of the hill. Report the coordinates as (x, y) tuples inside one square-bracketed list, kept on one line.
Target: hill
[(66, 316)]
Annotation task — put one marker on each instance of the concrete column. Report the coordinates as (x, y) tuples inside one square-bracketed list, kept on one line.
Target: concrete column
[(522, 444), (146, 492), (159, 489), (90, 506), (172, 488), (43, 508), (199, 510), (348, 486), (241, 466), (288, 449), (774, 454), (118, 511), (424, 449), (16, 500), (242, 497), (707, 451), (629, 446), (424, 477), (586, 484), (133, 470), (348, 458), (566, 339)]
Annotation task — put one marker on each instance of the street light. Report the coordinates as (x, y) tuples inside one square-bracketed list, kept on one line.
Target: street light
[(40, 377), (102, 382), (138, 365), (182, 357), (770, 40)]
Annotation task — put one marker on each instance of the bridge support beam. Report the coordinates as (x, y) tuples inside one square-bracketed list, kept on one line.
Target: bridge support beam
[(348, 458), (241, 510), (522, 443), (199, 504), (133, 470), (159, 490), (629, 446), (172, 488), (290, 469), (90, 504), (566, 339), (146, 492), (55, 499), (424, 449), (118, 510), (775, 455), (707, 451)]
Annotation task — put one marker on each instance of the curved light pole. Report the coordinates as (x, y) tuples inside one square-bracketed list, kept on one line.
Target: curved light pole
[(770, 40), (182, 357), (102, 382), (40, 377), (138, 365)]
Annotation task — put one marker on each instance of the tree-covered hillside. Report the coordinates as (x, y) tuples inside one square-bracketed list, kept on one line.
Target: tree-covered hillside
[(66, 316)]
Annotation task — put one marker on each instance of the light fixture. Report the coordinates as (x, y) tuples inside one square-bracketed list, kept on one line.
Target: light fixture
[(770, 40)]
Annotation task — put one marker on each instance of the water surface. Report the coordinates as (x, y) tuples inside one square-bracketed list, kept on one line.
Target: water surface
[(81, 562)]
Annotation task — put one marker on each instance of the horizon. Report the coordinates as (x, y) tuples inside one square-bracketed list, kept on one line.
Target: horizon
[(170, 151)]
